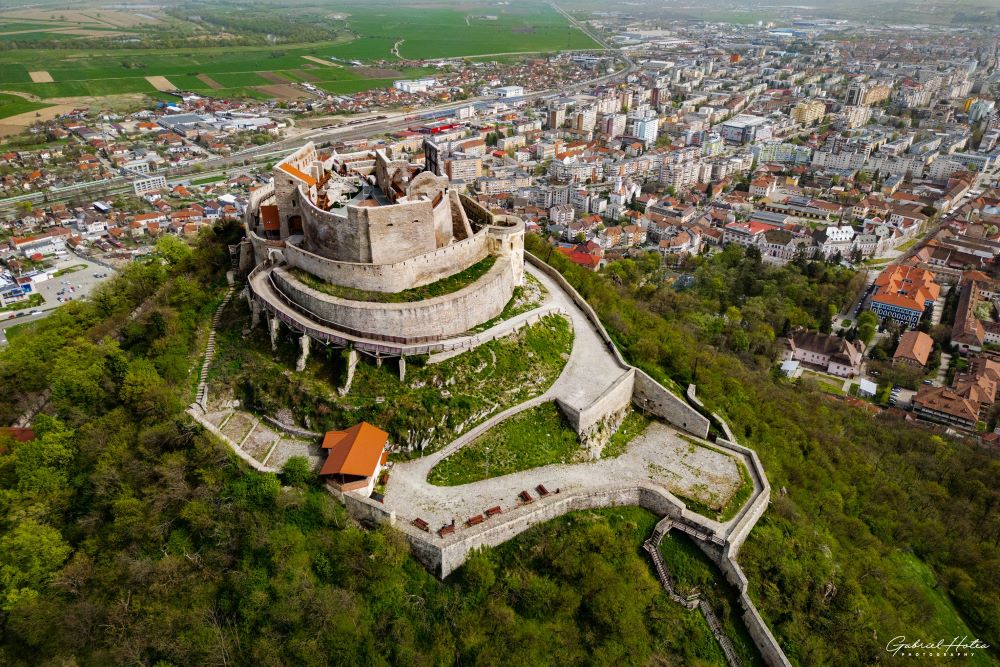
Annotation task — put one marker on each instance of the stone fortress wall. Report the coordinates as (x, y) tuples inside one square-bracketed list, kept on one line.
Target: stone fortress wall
[(444, 555), (405, 230), (398, 276), (409, 322)]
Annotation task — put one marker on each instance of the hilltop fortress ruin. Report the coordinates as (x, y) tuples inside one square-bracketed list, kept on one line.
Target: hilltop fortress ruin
[(333, 235)]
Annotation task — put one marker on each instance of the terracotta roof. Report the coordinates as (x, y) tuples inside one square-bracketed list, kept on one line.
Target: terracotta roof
[(943, 399), (914, 346), (302, 176), (269, 216), (906, 286), (356, 451)]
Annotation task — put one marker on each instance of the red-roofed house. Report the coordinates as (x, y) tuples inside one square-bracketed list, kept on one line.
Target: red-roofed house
[(354, 458)]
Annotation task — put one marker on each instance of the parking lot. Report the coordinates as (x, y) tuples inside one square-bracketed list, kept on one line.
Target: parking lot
[(77, 284)]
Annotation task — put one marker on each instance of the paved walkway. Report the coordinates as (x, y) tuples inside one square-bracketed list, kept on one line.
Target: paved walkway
[(659, 454), (591, 369)]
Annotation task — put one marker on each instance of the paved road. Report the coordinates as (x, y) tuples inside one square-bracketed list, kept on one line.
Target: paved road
[(83, 280)]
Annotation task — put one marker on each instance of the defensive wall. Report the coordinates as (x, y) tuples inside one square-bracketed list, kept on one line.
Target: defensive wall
[(375, 234), (442, 316), (654, 398), (395, 277), (597, 422), (444, 555), (298, 319)]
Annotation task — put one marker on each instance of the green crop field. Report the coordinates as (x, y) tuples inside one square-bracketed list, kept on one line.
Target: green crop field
[(11, 105), (451, 32), (367, 34)]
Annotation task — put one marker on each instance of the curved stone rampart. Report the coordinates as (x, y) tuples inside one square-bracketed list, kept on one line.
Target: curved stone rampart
[(414, 272), (410, 322)]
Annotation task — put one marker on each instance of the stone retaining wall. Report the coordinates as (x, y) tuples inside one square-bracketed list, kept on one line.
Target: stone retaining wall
[(750, 514), (597, 422), (414, 272), (417, 321), (654, 398)]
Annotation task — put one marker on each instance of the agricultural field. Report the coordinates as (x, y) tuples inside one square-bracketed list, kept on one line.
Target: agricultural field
[(12, 105), (448, 31), (373, 33)]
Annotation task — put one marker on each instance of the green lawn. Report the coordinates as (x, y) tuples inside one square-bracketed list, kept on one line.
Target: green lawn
[(11, 105), (208, 179), (437, 288), (536, 437), (69, 269), (31, 302), (825, 383), (634, 424)]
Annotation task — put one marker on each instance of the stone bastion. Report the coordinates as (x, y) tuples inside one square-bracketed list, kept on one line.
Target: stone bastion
[(385, 226)]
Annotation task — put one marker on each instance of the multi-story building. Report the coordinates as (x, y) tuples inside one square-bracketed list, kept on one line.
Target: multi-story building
[(808, 111), (745, 129), (555, 118), (836, 355), (904, 293), (861, 93), (612, 125), (647, 128)]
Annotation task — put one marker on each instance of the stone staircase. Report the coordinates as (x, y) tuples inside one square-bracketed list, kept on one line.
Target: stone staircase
[(201, 398), (652, 547), (720, 635)]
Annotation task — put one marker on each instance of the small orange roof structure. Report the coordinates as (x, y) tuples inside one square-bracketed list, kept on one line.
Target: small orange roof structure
[(302, 176), (270, 217), (356, 452)]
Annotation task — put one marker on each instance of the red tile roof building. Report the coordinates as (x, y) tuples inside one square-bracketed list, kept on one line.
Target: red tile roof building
[(354, 457), (903, 293)]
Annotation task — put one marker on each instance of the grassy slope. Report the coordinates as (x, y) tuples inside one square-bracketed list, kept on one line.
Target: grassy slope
[(435, 402), (536, 437)]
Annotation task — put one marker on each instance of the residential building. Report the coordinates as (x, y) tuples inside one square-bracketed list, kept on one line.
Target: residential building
[(944, 406), (808, 111), (914, 349), (835, 355)]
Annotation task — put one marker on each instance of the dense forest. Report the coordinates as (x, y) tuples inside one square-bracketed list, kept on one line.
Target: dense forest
[(129, 536)]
